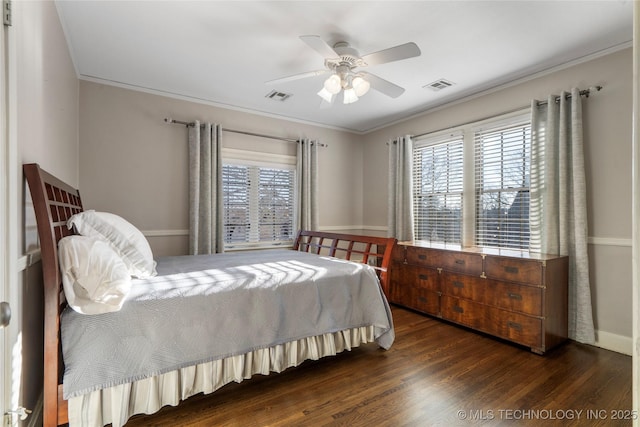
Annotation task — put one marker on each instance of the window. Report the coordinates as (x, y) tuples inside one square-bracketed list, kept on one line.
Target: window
[(471, 184), (503, 158), (437, 190), (258, 205)]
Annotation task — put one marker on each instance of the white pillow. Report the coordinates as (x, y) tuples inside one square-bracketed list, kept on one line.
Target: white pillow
[(124, 237), (94, 278)]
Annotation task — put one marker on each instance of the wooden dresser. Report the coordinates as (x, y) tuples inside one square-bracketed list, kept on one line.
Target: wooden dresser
[(514, 295)]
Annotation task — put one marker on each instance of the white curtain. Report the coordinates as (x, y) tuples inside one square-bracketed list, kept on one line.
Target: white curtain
[(558, 199), (307, 183), (400, 215), (205, 189)]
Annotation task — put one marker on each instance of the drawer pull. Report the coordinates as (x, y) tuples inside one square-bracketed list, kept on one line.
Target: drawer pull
[(514, 325), (458, 284), (512, 270), (460, 261), (422, 257), (422, 299), (515, 296), (458, 309), (422, 277)]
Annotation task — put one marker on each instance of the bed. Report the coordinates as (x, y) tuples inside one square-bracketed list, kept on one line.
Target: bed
[(248, 313)]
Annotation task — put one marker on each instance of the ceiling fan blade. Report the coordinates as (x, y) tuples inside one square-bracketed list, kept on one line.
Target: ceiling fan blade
[(298, 76), (403, 51), (320, 46), (383, 86)]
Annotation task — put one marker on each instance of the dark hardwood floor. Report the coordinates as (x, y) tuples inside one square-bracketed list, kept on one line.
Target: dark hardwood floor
[(435, 374)]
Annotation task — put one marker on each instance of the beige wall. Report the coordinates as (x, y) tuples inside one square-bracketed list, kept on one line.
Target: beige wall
[(47, 91), (47, 133), (135, 165), (607, 133)]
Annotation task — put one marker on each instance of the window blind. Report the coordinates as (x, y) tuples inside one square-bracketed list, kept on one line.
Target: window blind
[(276, 214), (502, 164), (258, 204), (437, 194), (236, 210)]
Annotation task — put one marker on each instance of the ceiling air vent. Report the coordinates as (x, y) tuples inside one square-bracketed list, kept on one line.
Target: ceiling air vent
[(278, 96), (439, 85)]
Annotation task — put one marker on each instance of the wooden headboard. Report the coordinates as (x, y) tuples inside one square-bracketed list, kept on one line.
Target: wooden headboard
[(375, 251), (53, 202)]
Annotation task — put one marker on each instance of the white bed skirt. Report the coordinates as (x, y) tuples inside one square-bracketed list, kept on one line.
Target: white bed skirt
[(117, 404)]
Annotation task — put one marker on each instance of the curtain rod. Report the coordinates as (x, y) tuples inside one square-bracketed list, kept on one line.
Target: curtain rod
[(259, 135), (585, 93)]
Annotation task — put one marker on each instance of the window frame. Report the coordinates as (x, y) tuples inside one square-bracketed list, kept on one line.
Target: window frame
[(248, 158), (468, 131), (509, 129), (433, 141)]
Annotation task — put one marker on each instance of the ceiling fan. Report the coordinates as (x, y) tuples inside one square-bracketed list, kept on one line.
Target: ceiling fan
[(343, 63)]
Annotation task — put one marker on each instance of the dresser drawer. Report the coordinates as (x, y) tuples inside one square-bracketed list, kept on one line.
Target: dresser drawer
[(509, 296), (419, 299), (397, 254), (462, 311), (525, 330), (423, 256), (519, 328), (513, 269), (447, 260), (419, 277)]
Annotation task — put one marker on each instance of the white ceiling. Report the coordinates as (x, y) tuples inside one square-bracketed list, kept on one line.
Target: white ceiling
[(223, 52)]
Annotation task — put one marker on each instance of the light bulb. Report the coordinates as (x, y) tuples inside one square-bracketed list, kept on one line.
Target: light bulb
[(325, 94), (360, 86), (333, 84), (350, 96)]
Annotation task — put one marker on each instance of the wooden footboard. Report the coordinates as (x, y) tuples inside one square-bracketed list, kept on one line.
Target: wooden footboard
[(55, 202)]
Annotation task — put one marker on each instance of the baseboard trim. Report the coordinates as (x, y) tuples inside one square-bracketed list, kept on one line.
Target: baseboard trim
[(614, 342), (28, 259), (609, 241), (165, 233)]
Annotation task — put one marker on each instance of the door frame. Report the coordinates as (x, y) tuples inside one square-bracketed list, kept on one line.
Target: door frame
[(10, 339), (635, 207)]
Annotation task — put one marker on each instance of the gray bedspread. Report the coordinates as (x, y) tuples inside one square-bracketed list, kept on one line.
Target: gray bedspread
[(208, 307)]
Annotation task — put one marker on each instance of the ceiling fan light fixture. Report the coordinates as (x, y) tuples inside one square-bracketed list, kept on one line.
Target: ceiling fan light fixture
[(333, 84), (349, 96), (342, 62), (360, 86), (325, 94)]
